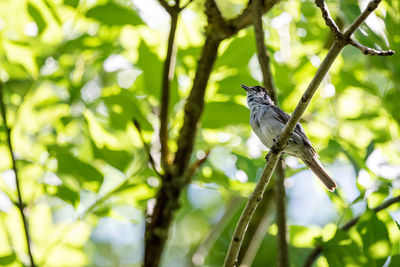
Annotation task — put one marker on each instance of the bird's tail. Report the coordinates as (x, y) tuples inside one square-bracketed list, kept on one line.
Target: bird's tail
[(316, 167)]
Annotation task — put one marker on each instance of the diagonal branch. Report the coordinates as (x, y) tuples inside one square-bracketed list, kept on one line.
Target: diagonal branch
[(346, 36), (20, 203), (276, 150), (318, 249), (328, 19)]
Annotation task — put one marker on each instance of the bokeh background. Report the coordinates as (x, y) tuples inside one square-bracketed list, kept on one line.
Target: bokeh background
[(75, 74)]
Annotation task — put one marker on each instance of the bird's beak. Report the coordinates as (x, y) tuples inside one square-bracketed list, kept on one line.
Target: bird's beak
[(245, 87)]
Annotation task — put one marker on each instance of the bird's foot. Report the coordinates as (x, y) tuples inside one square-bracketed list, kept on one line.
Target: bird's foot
[(267, 157)]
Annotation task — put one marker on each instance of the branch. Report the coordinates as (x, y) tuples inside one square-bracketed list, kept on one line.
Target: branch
[(167, 7), (257, 229), (167, 200), (346, 36), (328, 19), (247, 17), (370, 51), (168, 74), (263, 58), (20, 204), (262, 54), (280, 194), (277, 148), (147, 148), (195, 166), (318, 249), (202, 251)]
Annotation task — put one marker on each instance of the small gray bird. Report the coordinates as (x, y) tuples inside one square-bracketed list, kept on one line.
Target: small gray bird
[(268, 122)]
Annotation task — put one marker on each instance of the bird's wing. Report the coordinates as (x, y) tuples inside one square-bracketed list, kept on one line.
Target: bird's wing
[(283, 117)]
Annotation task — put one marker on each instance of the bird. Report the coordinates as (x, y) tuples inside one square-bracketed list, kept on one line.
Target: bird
[(268, 122)]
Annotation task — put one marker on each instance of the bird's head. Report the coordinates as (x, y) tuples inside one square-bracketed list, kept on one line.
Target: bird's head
[(257, 95)]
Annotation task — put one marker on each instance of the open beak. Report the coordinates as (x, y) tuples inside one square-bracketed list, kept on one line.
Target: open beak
[(245, 87)]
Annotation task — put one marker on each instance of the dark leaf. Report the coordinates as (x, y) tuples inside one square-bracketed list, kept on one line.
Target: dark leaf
[(119, 159), (72, 3), (394, 261), (67, 194), (37, 17), (370, 149), (6, 260)]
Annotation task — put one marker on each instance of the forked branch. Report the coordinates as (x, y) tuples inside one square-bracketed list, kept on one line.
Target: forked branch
[(277, 148)]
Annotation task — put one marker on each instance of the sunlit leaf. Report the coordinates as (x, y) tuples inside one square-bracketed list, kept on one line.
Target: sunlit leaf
[(375, 237), (221, 114), (113, 14)]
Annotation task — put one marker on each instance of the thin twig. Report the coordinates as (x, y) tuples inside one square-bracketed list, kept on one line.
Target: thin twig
[(147, 148), (195, 166), (328, 19), (370, 51), (314, 254), (372, 5), (339, 35), (20, 204), (185, 5), (277, 148)]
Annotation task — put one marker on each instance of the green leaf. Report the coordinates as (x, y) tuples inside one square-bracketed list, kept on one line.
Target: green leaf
[(72, 3), (370, 149), (71, 165), (53, 11), (151, 66), (231, 85), (238, 53), (119, 159), (114, 15), (221, 114), (129, 108), (6, 260), (341, 250), (67, 194), (394, 261), (375, 237), (37, 17)]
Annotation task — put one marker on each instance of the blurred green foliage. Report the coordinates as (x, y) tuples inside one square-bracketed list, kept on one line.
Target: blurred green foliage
[(76, 73)]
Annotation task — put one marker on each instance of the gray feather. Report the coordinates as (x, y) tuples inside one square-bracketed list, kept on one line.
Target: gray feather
[(268, 122)]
